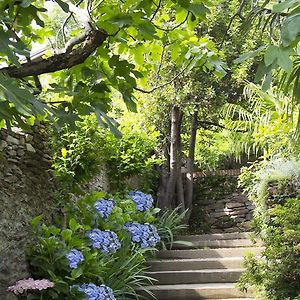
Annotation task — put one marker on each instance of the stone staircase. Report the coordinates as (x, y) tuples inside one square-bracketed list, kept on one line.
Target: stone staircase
[(208, 268)]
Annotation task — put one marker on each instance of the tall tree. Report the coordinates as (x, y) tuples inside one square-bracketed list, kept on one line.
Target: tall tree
[(111, 47)]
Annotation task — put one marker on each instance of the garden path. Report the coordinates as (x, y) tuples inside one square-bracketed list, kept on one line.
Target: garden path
[(208, 268)]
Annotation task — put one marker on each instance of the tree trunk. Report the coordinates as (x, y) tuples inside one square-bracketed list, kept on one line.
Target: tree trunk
[(190, 166), (175, 164), (163, 180), (180, 192), (179, 182)]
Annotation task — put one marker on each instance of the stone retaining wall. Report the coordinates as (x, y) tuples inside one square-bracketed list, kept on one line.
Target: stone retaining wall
[(231, 214), (219, 206), (26, 190)]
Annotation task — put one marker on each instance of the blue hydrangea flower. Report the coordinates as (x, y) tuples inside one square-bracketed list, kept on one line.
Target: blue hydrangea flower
[(104, 207), (144, 234), (107, 241), (74, 257), (143, 201), (94, 292)]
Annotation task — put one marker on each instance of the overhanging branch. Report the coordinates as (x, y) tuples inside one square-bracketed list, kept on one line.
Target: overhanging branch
[(57, 62), (166, 83)]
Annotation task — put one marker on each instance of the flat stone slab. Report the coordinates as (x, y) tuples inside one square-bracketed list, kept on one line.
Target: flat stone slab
[(209, 253), (216, 236), (197, 291)]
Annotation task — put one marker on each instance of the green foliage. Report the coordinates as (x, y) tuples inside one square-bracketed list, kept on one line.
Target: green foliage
[(170, 223), (211, 150), (280, 56), (79, 155), (132, 156), (276, 276), (274, 187), (123, 271), (76, 153), (141, 34), (265, 125)]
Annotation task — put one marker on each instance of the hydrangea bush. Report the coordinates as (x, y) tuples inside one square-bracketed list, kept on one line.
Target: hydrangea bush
[(74, 257), (84, 256), (104, 207), (144, 234), (107, 241), (94, 292), (143, 201)]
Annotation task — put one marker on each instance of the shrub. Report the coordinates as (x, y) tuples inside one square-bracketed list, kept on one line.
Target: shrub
[(79, 154), (99, 250), (274, 187)]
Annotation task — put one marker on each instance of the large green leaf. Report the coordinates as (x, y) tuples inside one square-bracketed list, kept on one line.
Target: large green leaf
[(63, 5), (249, 55), (271, 55), (279, 55), (121, 19), (5, 49), (280, 7), (198, 9), (290, 29)]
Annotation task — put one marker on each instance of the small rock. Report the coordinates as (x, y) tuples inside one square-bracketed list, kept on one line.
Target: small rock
[(234, 204), (3, 144), (22, 141), (12, 152), (20, 152), (12, 140), (239, 212), (29, 138), (249, 217), (218, 214), (11, 179), (30, 148), (12, 160)]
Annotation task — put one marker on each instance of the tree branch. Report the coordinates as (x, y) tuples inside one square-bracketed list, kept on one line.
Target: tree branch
[(57, 62), (156, 11), (237, 14), (173, 28), (164, 84), (203, 123)]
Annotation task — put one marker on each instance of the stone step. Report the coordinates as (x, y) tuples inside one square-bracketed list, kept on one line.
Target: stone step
[(197, 276), (208, 253), (216, 236), (196, 264), (197, 291), (226, 243)]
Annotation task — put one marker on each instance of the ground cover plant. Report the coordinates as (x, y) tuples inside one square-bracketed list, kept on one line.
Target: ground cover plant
[(98, 251)]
